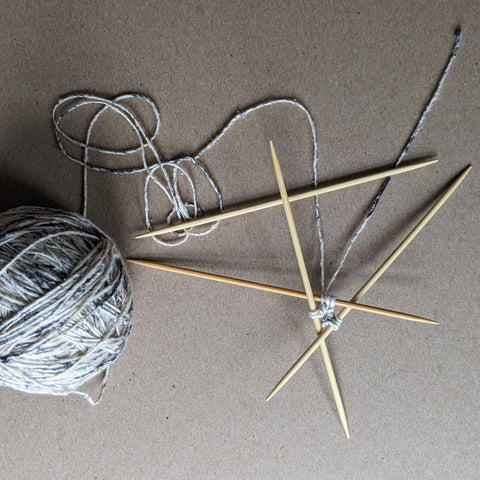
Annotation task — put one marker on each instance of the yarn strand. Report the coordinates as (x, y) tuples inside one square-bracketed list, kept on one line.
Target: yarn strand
[(371, 209)]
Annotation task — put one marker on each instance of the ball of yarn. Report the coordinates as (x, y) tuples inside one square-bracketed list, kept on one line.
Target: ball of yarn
[(65, 301)]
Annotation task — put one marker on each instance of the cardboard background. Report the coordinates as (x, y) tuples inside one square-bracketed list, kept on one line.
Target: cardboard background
[(186, 398)]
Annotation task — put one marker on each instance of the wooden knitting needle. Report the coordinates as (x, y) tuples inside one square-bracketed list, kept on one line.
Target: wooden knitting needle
[(293, 198), (371, 281), (280, 290), (308, 288)]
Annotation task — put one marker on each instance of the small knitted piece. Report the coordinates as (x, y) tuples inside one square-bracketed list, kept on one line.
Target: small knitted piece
[(326, 313)]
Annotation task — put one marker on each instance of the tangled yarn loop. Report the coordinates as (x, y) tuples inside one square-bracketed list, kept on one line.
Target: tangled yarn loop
[(326, 313), (65, 301), (160, 173)]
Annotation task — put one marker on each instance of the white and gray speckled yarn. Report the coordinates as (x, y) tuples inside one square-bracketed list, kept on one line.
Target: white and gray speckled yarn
[(65, 302)]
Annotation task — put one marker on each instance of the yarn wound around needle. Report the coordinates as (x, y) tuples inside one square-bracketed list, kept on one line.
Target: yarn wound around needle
[(65, 301)]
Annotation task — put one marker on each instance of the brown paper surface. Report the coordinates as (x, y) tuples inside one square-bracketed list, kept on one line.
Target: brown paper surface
[(186, 399)]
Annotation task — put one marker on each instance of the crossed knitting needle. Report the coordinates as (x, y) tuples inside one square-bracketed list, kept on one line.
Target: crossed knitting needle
[(280, 290), (320, 341), (292, 198), (308, 289)]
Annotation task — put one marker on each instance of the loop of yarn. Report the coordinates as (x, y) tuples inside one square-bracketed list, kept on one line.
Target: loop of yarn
[(160, 173), (65, 303), (326, 313)]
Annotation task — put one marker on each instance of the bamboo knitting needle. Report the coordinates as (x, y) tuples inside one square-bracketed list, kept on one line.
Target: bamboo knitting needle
[(280, 290), (308, 288), (300, 196), (371, 281)]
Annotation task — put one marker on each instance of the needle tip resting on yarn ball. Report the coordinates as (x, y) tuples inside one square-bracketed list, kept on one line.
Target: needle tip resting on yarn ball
[(65, 301)]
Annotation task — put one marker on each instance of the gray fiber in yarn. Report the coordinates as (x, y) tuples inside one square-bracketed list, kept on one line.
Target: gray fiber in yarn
[(65, 301)]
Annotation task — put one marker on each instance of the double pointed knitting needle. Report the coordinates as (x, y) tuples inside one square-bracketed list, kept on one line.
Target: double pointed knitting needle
[(293, 198), (371, 281), (308, 288), (270, 288)]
